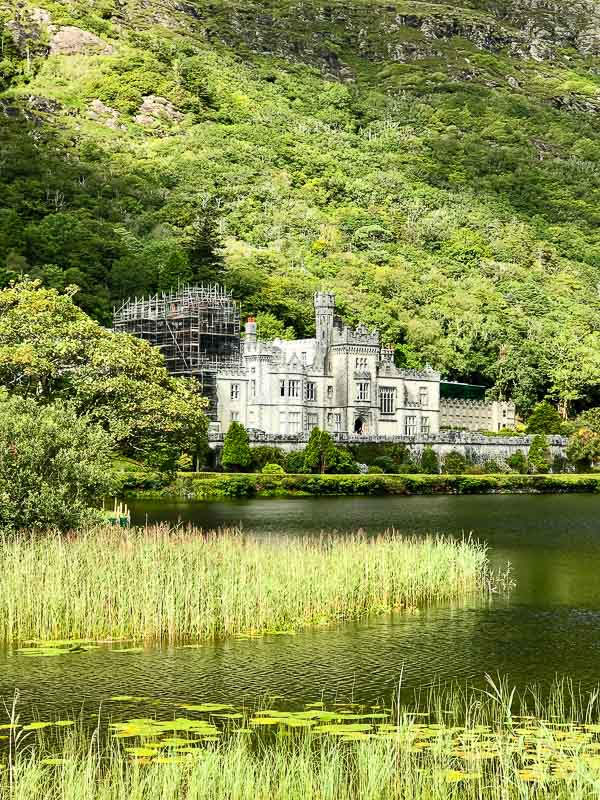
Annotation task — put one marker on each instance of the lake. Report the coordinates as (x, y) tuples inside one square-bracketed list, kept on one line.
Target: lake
[(548, 626)]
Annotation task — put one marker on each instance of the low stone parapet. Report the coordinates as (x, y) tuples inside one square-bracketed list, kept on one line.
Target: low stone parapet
[(478, 447)]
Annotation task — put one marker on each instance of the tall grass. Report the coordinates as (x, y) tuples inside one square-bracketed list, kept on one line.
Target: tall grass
[(476, 747), (163, 584)]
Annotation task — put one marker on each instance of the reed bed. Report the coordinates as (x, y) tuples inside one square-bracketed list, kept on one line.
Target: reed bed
[(469, 745), (164, 584)]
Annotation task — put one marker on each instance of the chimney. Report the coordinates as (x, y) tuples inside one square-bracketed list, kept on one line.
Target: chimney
[(251, 330)]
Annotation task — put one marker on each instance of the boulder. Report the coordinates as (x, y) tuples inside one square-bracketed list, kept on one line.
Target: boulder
[(156, 109), (105, 115), (72, 41)]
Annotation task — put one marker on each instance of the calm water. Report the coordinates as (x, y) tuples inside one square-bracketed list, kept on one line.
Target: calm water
[(549, 626)]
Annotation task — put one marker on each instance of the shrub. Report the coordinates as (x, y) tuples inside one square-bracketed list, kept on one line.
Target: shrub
[(266, 455), (320, 454), (294, 462), (273, 469), (430, 463), (474, 469), (375, 470), (518, 462), (385, 464), (559, 464), (539, 454), (343, 463), (54, 466), (492, 467), (544, 419), (236, 449), (454, 463)]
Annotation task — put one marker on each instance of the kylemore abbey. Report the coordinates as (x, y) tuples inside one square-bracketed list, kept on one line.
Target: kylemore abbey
[(344, 380)]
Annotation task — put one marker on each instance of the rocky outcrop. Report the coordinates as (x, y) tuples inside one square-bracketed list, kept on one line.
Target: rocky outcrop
[(71, 41), (156, 109), (105, 115), (27, 28), (333, 33)]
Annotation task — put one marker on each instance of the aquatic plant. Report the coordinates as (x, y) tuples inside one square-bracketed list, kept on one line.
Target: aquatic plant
[(169, 584), (451, 743)]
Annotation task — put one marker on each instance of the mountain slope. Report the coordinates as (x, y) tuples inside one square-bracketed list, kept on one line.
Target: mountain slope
[(438, 166)]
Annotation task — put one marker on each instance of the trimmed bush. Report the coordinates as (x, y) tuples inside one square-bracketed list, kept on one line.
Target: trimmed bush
[(236, 449), (454, 463), (539, 454), (260, 456), (273, 469), (430, 463)]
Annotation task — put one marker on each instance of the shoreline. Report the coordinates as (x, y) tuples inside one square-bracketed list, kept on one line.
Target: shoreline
[(215, 486)]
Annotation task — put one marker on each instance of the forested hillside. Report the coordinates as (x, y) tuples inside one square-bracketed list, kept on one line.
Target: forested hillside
[(437, 166)]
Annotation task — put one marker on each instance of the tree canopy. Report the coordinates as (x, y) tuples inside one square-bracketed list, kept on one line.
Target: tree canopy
[(450, 198), (50, 349), (54, 466)]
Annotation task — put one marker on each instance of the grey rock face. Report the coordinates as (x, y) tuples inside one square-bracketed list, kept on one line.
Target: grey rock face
[(70, 41), (156, 109), (105, 115)]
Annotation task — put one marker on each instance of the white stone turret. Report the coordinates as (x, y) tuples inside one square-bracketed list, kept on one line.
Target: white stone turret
[(324, 313)]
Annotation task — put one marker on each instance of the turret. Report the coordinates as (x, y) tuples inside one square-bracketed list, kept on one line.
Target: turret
[(324, 310), (250, 330)]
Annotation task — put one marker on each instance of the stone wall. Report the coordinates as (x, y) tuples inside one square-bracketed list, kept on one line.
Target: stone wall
[(475, 446), (477, 415)]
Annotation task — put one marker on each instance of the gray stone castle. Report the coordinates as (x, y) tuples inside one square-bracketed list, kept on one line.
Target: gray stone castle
[(343, 381)]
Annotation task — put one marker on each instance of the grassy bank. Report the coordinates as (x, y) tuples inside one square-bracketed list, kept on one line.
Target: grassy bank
[(459, 744), (210, 486), (162, 584)]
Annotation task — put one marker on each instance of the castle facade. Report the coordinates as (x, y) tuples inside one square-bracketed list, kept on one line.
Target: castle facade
[(343, 381)]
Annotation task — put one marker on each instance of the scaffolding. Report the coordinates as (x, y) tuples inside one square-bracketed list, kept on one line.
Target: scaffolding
[(196, 328)]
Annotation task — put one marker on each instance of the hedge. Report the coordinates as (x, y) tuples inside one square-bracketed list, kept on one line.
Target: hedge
[(206, 486)]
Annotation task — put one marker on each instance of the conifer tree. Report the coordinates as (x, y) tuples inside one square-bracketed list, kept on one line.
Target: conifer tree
[(320, 452), (544, 419), (539, 454), (237, 456)]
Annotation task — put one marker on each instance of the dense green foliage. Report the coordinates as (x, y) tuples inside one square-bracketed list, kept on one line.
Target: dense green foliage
[(273, 469), (54, 466), (544, 419), (518, 462), (446, 185), (454, 463), (584, 444), (205, 486), (50, 349), (236, 455), (322, 455), (539, 453), (430, 463)]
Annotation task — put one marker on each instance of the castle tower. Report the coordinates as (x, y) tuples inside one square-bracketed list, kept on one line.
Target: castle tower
[(250, 330), (324, 311)]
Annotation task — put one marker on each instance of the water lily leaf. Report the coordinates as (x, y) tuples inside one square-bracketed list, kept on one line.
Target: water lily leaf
[(232, 715), (140, 752), (206, 707), (343, 729), (36, 726)]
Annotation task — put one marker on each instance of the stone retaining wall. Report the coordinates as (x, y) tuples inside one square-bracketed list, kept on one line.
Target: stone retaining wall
[(475, 446)]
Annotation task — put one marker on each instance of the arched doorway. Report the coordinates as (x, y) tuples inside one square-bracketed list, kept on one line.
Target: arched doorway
[(358, 425)]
